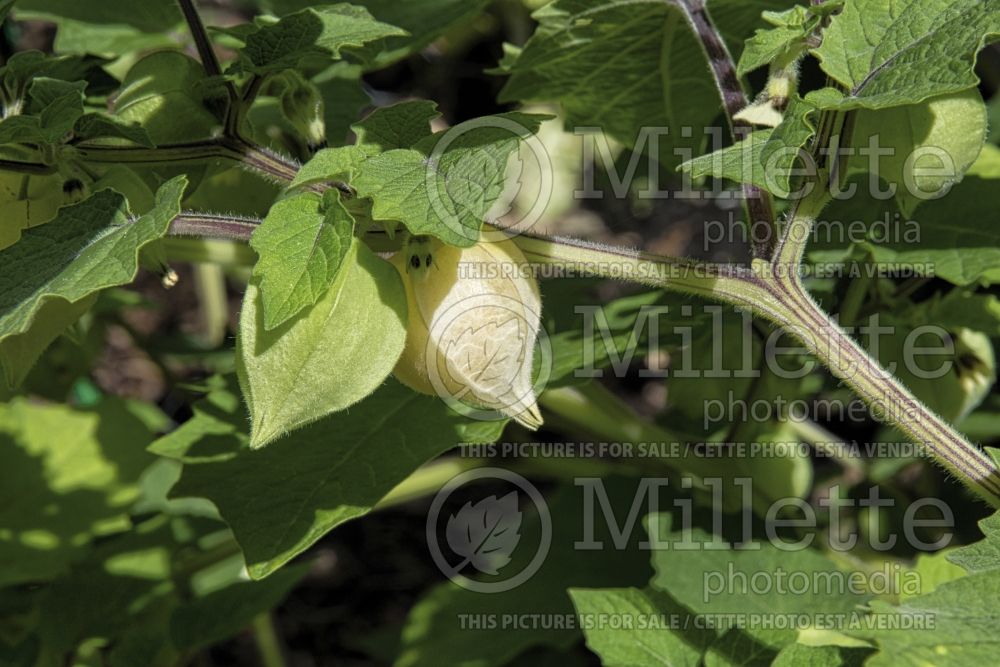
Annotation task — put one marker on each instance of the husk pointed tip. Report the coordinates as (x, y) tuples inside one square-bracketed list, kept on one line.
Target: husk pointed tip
[(531, 418)]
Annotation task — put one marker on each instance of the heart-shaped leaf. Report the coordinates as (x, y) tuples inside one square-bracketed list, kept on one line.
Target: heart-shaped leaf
[(330, 356)]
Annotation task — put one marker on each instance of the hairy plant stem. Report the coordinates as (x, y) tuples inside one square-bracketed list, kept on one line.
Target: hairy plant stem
[(757, 202), (210, 62), (252, 157), (210, 226), (31, 168)]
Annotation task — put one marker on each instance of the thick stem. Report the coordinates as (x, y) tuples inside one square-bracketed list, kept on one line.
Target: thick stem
[(210, 61), (209, 226), (774, 291), (791, 248), (251, 156), (729, 283), (758, 204), (195, 151), (886, 395), (201, 40), (33, 168)]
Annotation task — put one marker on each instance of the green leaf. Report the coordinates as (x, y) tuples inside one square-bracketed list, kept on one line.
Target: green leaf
[(740, 163), (123, 584), (59, 104), (766, 158), (99, 126), (800, 655), (932, 570), (688, 575), (314, 34), (623, 65), (634, 631), (156, 15), (216, 429), (933, 144), (301, 245), (788, 139), (957, 625), (954, 244), (166, 94), (49, 276), (25, 66), (446, 184), (330, 356), (336, 469), (905, 52), (109, 39), (767, 45), (786, 39), (738, 649), (398, 126), (983, 556), (329, 164), (68, 477), (423, 22)]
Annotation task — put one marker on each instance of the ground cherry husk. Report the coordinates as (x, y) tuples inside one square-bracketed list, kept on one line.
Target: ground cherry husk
[(474, 317)]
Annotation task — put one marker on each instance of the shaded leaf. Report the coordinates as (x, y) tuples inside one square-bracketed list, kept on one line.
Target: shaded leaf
[(688, 575), (68, 477), (629, 627), (156, 15), (932, 145), (435, 633), (336, 470), (99, 126), (423, 22), (223, 613), (623, 65), (47, 278), (398, 126), (316, 33)]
